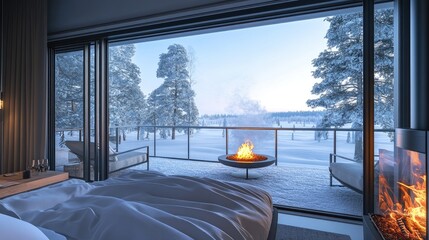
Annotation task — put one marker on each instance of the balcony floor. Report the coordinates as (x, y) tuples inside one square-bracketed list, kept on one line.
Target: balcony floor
[(293, 185)]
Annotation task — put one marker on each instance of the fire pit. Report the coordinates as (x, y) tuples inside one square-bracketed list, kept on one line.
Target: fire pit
[(245, 158)]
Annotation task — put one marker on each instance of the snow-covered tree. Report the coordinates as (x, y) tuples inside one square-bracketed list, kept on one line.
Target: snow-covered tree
[(126, 100), (69, 90), (155, 110), (172, 103), (340, 68)]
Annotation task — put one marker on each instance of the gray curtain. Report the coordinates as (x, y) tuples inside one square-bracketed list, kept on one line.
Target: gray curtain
[(24, 83)]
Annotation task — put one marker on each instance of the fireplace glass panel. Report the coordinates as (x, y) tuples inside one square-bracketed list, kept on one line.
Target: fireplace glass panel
[(400, 194)]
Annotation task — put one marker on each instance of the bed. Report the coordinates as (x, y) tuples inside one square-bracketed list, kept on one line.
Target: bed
[(145, 205)]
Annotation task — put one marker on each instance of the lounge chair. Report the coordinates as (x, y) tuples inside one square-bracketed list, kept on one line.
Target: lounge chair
[(350, 172), (117, 161)]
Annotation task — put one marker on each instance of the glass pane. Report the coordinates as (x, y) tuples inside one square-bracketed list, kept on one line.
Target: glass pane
[(69, 107), (69, 112), (293, 88), (399, 171), (207, 144), (127, 137), (400, 203), (384, 78)]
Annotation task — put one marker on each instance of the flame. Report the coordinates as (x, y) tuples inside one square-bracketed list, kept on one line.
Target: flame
[(245, 153), (411, 207), (414, 198)]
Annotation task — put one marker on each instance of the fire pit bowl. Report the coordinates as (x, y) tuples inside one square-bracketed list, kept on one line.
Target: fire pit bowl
[(246, 163)]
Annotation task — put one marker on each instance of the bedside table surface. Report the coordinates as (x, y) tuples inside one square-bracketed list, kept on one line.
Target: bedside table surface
[(14, 184)]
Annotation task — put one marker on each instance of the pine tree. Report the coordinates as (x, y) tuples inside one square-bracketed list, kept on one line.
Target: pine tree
[(69, 90), (172, 103), (340, 69), (155, 111), (126, 100)]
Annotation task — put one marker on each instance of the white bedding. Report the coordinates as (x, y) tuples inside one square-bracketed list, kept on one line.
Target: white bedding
[(147, 205)]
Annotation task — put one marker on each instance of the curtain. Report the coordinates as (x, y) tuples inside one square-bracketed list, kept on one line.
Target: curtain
[(24, 83)]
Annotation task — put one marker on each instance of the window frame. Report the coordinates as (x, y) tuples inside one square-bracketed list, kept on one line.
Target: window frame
[(216, 21)]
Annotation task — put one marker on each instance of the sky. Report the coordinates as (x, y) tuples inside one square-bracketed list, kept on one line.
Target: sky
[(269, 66)]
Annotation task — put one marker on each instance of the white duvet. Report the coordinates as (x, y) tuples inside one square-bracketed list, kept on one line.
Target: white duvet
[(147, 205)]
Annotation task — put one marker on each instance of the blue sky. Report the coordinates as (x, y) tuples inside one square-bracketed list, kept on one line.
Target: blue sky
[(269, 64)]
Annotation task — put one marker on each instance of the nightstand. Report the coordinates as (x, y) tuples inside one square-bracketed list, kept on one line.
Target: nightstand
[(13, 183)]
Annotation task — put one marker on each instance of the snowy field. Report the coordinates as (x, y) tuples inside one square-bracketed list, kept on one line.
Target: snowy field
[(293, 147)]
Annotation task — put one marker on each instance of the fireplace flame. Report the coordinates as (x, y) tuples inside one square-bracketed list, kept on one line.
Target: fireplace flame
[(414, 198), (410, 208)]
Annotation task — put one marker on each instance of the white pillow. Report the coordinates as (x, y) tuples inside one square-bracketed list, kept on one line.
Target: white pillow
[(13, 228)]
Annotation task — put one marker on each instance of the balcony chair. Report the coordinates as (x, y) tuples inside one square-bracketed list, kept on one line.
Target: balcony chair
[(350, 172), (117, 161)]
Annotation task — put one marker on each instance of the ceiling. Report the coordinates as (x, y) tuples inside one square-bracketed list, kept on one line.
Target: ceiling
[(74, 18), (75, 15)]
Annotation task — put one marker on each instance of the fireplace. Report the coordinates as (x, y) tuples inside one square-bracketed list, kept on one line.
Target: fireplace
[(400, 208)]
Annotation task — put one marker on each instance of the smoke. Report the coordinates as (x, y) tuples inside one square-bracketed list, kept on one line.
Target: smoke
[(248, 113)]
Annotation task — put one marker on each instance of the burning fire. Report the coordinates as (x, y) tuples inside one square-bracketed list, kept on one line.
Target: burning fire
[(406, 217), (245, 153)]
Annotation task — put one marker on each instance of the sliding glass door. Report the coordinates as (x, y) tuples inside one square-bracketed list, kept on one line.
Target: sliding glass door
[(74, 111), (78, 123)]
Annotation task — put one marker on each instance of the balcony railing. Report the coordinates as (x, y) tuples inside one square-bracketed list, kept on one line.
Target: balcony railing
[(319, 134)]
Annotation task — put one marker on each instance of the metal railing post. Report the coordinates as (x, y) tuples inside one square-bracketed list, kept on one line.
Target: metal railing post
[(330, 161), (154, 141), (117, 138), (226, 141), (335, 145), (80, 135), (276, 145), (189, 143)]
